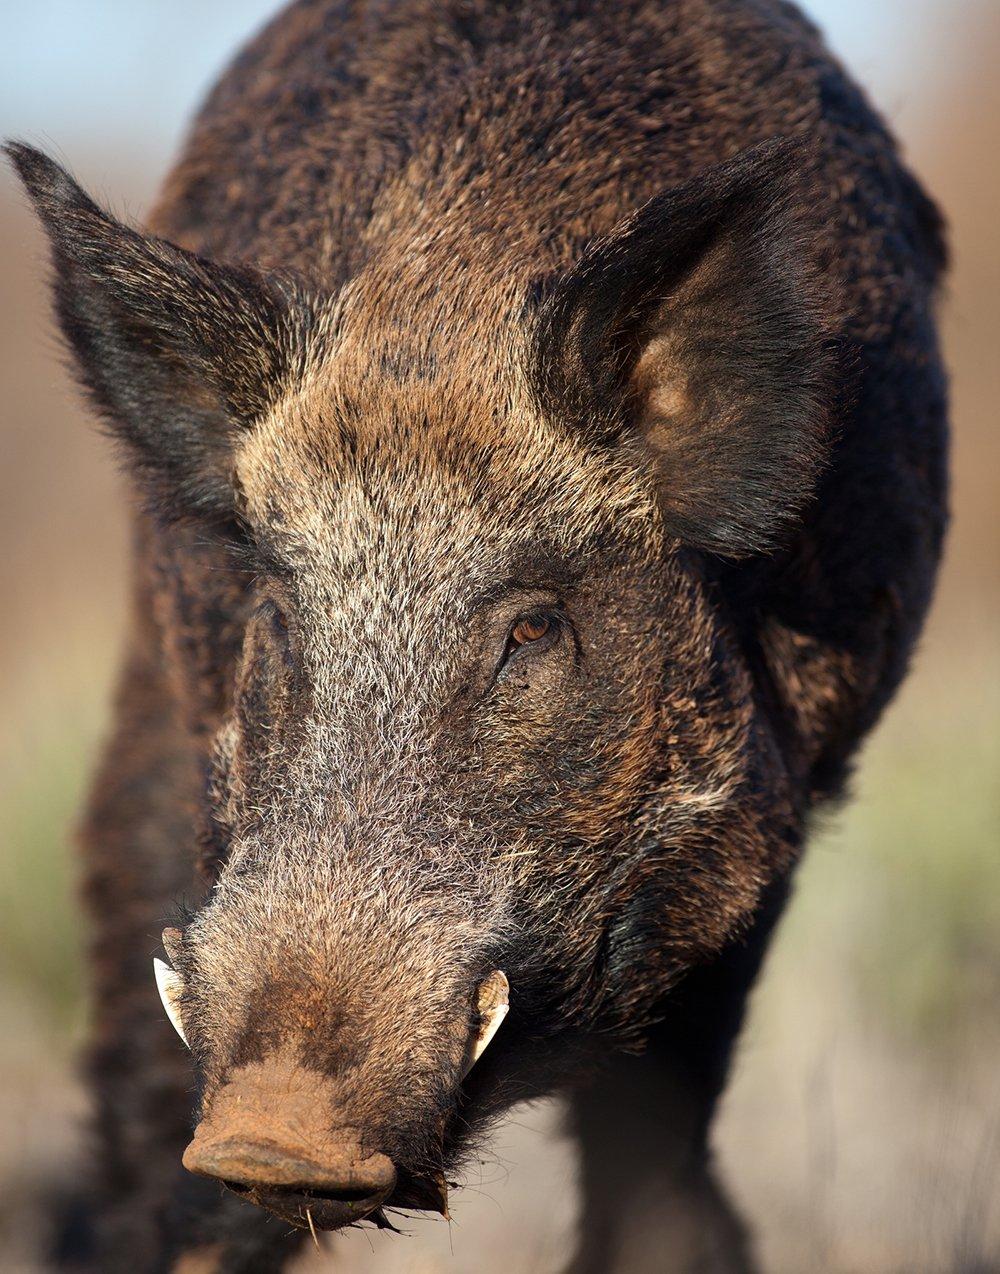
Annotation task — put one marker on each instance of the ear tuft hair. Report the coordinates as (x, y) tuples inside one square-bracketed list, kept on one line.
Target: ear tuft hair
[(177, 352), (696, 328)]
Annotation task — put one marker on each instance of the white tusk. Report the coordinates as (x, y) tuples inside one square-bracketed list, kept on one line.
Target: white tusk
[(170, 985), (492, 1005)]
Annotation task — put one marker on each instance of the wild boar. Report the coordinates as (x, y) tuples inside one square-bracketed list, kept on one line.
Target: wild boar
[(540, 439)]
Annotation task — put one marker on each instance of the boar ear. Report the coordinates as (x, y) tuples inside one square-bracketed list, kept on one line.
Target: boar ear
[(695, 325), (177, 352)]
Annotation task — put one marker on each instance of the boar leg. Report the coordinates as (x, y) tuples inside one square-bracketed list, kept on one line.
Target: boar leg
[(235, 1238), (136, 841), (651, 1204)]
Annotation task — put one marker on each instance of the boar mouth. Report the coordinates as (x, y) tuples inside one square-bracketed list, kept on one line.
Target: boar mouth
[(267, 1136), (316, 1209), (273, 1130), (313, 1209)]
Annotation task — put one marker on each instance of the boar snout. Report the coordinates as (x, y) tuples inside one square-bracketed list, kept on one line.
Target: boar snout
[(268, 1135), (308, 1141)]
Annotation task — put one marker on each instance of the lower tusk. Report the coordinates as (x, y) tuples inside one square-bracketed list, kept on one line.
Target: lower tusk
[(492, 1005), (170, 985)]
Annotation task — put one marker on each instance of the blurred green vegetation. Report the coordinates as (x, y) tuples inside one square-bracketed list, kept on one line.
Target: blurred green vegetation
[(931, 952), (40, 937), (47, 752), (901, 889)]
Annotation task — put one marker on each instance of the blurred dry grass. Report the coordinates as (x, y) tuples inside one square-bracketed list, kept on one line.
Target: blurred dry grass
[(862, 1132)]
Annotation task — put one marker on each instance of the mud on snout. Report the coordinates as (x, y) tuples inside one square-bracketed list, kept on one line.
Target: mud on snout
[(332, 1016)]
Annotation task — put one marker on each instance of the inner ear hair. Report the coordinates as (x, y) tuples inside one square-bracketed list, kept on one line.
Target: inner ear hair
[(696, 330)]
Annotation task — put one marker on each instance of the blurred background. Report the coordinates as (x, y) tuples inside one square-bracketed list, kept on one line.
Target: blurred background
[(862, 1129)]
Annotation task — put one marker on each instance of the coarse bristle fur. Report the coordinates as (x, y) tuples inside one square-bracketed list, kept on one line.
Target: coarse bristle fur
[(540, 431)]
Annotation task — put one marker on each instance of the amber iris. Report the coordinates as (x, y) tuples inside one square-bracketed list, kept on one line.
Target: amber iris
[(532, 629)]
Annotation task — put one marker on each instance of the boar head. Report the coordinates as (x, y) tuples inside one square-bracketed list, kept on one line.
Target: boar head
[(485, 720)]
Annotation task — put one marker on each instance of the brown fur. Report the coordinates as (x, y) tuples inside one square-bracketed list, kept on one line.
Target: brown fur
[(497, 310)]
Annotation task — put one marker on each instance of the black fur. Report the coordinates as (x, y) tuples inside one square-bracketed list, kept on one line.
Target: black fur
[(175, 351)]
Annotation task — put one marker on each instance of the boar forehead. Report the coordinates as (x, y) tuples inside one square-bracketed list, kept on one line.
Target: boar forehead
[(422, 488)]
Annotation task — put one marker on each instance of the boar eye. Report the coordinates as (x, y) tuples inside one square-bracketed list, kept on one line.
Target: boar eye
[(536, 631), (530, 628)]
